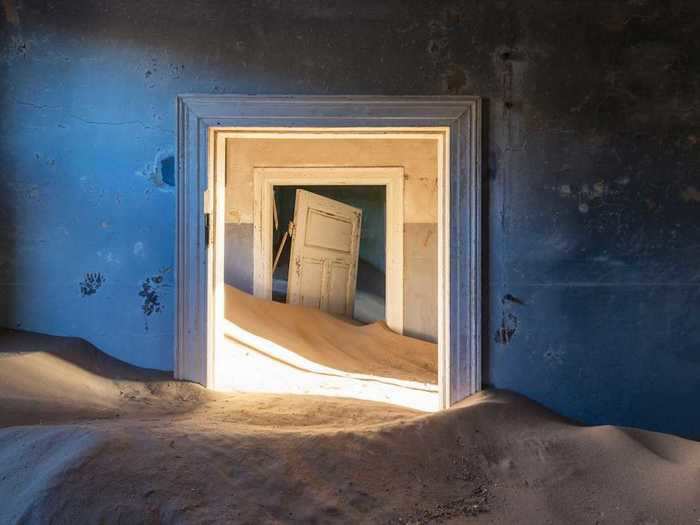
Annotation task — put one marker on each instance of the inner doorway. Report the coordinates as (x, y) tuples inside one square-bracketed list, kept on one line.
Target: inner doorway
[(379, 191), (347, 245)]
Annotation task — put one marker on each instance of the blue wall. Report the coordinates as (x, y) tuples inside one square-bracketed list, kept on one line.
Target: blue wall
[(593, 170)]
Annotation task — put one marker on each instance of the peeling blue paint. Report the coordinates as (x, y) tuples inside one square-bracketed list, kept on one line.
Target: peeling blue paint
[(91, 283), (505, 332), (509, 320), (167, 169), (161, 172), (150, 292)]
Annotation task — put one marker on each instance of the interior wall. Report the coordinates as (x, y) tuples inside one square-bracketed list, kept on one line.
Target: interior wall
[(418, 157), (592, 154)]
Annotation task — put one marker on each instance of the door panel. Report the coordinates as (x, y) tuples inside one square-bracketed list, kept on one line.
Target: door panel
[(338, 287), (324, 254), (311, 282), (327, 231)]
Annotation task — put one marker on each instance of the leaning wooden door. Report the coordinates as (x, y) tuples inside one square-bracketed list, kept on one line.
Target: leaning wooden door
[(324, 254)]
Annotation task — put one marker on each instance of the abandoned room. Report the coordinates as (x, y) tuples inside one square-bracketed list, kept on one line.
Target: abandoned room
[(349, 262)]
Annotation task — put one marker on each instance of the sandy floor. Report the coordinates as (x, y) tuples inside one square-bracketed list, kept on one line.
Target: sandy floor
[(86, 439), (329, 341)]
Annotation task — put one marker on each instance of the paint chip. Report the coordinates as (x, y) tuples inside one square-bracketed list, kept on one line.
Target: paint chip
[(505, 333), (167, 170), (150, 292), (108, 257), (161, 172), (91, 283)]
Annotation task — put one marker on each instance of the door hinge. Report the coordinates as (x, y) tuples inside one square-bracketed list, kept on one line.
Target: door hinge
[(207, 230)]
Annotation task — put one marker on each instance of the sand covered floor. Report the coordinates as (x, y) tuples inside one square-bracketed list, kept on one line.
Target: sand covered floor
[(87, 439), (370, 349)]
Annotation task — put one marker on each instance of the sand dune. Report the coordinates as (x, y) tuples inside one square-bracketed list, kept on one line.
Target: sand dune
[(170, 452), (48, 379), (371, 349)]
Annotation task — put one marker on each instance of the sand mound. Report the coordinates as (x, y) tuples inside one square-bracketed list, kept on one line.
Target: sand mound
[(50, 379), (332, 342), (497, 458)]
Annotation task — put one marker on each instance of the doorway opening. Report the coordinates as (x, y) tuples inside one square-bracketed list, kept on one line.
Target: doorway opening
[(377, 191), (329, 269), (421, 293)]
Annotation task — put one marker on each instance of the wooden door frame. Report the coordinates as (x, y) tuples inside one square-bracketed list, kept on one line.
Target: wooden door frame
[(392, 178), (198, 270)]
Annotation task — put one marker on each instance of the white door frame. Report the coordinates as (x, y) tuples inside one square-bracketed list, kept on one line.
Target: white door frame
[(199, 273), (392, 178)]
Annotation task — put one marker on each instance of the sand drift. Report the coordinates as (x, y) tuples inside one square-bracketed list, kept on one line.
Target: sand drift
[(88, 439)]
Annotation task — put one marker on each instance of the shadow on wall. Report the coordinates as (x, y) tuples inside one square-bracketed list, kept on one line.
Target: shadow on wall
[(10, 232)]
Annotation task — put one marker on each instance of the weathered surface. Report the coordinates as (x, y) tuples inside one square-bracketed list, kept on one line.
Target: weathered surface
[(593, 158)]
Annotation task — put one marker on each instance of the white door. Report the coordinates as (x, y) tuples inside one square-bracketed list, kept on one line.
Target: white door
[(324, 253)]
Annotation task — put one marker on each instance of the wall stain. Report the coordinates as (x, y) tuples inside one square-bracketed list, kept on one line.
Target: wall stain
[(427, 238), (512, 299), (108, 257), (554, 356), (505, 333), (91, 283), (588, 195), (632, 215), (18, 48), (509, 321), (46, 160), (456, 78), (453, 76), (150, 292)]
